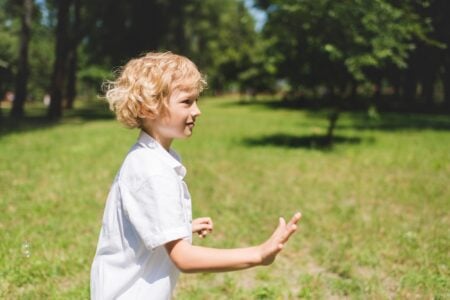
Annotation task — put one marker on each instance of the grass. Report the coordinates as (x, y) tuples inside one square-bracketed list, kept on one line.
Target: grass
[(375, 207)]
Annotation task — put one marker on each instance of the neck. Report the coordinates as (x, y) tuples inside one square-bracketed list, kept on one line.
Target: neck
[(165, 143)]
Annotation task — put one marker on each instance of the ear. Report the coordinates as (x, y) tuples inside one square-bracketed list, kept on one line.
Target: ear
[(146, 113)]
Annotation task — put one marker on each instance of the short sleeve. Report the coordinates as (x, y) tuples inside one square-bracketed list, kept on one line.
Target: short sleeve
[(156, 211)]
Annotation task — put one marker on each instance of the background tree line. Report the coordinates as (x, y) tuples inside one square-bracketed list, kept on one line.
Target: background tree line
[(322, 52)]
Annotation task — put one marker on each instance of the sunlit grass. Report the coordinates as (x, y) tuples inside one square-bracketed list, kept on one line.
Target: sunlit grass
[(375, 206)]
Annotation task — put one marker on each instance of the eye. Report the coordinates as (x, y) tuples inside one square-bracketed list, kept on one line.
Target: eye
[(187, 101)]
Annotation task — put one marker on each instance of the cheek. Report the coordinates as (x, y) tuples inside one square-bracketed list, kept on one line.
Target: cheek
[(180, 117)]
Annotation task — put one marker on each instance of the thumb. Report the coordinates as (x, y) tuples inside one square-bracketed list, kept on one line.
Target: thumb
[(280, 228), (281, 224)]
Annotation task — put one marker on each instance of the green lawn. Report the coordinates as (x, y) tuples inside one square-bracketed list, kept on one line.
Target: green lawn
[(376, 221)]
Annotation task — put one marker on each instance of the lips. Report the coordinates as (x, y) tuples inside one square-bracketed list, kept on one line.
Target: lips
[(190, 124)]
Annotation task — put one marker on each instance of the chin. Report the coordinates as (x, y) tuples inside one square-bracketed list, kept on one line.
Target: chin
[(185, 136), (188, 134)]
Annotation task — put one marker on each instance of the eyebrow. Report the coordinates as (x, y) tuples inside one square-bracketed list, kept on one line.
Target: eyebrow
[(191, 96)]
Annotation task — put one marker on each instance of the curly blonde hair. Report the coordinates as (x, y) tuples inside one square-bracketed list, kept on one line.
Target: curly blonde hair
[(144, 85)]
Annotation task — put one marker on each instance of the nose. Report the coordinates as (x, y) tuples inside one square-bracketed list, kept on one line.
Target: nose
[(195, 110)]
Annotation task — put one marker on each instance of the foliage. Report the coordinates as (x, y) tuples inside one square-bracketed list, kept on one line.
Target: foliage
[(232, 54), (309, 44), (41, 50), (345, 38), (8, 46), (92, 75), (218, 35), (41, 59)]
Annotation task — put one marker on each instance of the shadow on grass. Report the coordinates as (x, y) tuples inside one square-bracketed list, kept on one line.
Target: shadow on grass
[(311, 142), (36, 118), (30, 122), (90, 113), (397, 121), (389, 120)]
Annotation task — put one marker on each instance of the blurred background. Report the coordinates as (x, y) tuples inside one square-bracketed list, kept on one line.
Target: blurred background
[(382, 54), (339, 109)]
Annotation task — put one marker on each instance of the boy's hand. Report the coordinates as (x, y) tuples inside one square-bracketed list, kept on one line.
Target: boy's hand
[(270, 248), (202, 226)]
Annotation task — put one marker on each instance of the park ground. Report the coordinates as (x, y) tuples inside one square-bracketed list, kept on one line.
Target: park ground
[(376, 222)]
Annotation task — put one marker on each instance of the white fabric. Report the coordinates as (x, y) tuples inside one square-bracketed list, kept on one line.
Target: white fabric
[(148, 206)]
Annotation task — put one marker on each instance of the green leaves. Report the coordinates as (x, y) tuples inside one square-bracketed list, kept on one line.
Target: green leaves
[(333, 52), (346, 37)]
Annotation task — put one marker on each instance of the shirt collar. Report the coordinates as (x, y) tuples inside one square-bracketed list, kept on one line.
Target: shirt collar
[(169, 157)]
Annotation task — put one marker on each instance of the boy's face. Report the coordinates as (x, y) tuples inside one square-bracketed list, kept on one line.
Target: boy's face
[(179, 121)]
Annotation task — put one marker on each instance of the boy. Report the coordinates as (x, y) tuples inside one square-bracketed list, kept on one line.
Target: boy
[(147, 227)]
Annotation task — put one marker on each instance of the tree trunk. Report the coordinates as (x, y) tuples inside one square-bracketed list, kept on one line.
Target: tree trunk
[(334, 115), (71, 79), (441, 23), (179, 23), (427, 95), (446, 83), (410, 85), (429, 74), (396, 87), (59, 68), (332, 118), (353, 90), (330, 94), (376, 99), (23, 68), (71, 87)]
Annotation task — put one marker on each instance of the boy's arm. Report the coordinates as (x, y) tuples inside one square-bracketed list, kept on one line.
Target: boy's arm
[(190, 259)]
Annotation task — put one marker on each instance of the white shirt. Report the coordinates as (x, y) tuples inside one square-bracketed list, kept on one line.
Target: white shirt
[(148, 205)]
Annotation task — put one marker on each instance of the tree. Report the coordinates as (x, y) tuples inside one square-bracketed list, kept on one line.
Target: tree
[(337, 43), (23, 67), (425, 72), (124, 29), (217, 35), (84, 17), (61, 54), (437, 50), (223, 42), (8, 46)]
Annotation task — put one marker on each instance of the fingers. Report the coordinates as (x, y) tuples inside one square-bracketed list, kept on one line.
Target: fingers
[(288, 233), (291, 227), (204, 233), (297, 216), (204, 230), (203, 226), (281, 225), (204, 221), (207, 220)]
